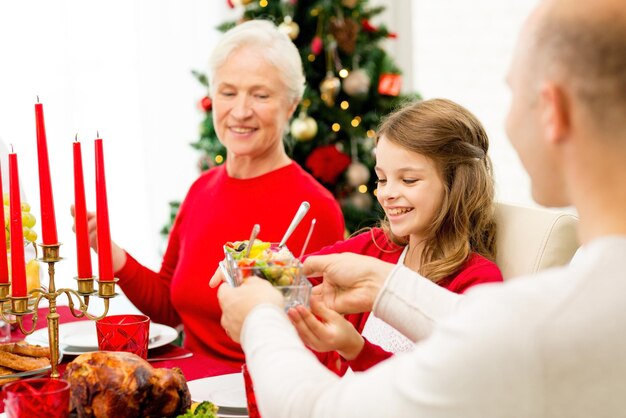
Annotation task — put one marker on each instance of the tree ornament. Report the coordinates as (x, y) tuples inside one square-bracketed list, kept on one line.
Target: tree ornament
[(289, 28), (329, 88), (345, 31), (360, 200), (327, 163), (206, 103), (389, 84), (368, 27), (349, 3), (357, 174), (317, 45), (304, 127), (357, 83)]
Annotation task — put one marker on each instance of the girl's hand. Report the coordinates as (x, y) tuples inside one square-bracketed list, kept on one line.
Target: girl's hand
[(331, 332)]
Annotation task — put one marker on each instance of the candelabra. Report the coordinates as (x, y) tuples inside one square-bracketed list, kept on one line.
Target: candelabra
[(28, 305)]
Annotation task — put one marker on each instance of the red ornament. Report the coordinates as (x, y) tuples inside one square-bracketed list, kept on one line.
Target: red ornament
[(206, 103), (317, 45), (367, 26), (230, 4), (389, 84), (392, 35), (327, 163)]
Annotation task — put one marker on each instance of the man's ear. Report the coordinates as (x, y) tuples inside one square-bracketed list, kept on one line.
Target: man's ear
[(555, 113)]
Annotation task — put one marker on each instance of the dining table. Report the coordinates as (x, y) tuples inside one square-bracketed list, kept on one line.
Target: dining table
[(193, 365)]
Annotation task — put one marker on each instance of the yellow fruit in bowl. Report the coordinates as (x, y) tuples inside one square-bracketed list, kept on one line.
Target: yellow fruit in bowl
[(32, 275)]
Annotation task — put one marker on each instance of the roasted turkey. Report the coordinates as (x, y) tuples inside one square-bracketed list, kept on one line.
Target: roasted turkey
[(123, 385)]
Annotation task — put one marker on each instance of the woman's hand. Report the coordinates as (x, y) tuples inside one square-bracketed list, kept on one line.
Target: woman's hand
[(118, 255), (331, 332), (237, 302)]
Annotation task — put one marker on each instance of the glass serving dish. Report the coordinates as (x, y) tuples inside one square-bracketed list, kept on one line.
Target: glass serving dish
[(267, 261)]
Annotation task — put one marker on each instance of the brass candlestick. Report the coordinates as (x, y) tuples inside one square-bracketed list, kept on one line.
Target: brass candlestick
[(21, 306)]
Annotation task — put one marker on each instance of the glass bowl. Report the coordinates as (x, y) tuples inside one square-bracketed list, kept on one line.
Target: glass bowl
[(277, 266)]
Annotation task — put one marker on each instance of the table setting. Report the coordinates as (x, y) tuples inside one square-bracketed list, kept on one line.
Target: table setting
[(64, 360)]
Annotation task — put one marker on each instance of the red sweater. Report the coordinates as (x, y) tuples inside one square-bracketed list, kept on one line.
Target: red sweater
[(374, 243), (217, 209)]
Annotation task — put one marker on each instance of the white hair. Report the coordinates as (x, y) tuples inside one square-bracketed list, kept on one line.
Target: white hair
[(276, 47)]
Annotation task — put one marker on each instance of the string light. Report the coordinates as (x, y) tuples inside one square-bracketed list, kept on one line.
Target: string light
[(362, 188), (343, 73), (355, 122), (344, 105), (311, 57), (336, 127), (219, 159), (375, 192), (371, 133), (263, 3)]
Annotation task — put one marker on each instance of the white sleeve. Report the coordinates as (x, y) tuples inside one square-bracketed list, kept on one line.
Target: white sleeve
[(290, 382), (412, 304), (457, 372)]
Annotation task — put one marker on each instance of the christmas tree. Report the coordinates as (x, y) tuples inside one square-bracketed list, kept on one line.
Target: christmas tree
[(351, 84)]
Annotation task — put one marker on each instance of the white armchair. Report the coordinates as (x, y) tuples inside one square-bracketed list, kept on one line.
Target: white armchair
[(532, 239)]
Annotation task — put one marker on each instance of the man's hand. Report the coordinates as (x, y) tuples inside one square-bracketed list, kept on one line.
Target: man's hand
[(217, 278), (237, 302), (351, 282)]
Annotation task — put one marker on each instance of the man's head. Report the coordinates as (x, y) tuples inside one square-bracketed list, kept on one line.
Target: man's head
[(568, 83)]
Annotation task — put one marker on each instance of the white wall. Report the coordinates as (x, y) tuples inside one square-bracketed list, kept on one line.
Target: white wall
[(462, 51), (123, 68)]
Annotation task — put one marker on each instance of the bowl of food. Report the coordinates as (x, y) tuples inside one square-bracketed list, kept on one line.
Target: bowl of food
[(270, 262)]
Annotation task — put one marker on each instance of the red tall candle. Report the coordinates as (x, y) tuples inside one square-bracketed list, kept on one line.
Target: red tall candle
[(105, 264), (4, 267), (18, 264), (80, 217), (48, 220)]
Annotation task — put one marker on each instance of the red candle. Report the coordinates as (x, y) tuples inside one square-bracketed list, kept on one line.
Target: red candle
[(48, 220), (4, 268), (105, 264), (80, 217), (18, 265)]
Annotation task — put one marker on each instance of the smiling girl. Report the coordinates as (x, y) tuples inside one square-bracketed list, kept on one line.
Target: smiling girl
[(435, 185)]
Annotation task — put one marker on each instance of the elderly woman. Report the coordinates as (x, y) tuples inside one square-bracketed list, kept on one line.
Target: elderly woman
[(256, 83)]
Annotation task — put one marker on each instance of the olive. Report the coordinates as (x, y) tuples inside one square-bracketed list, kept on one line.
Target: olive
[(285, 280)]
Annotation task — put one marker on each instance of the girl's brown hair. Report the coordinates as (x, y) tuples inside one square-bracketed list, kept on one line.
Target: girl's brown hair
[(455, 140)]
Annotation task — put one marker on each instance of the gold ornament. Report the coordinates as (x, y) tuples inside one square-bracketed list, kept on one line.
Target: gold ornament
[(289, 28), (357, 174), (329, 88), (304, 127), (357, 83), (360, 200)]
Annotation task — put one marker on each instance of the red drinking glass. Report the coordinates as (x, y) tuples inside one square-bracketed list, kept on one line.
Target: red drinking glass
[(128, 333), (41, 397), (253, 410)]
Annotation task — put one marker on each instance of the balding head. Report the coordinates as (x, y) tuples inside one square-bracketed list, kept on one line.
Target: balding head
[(581, 44)]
